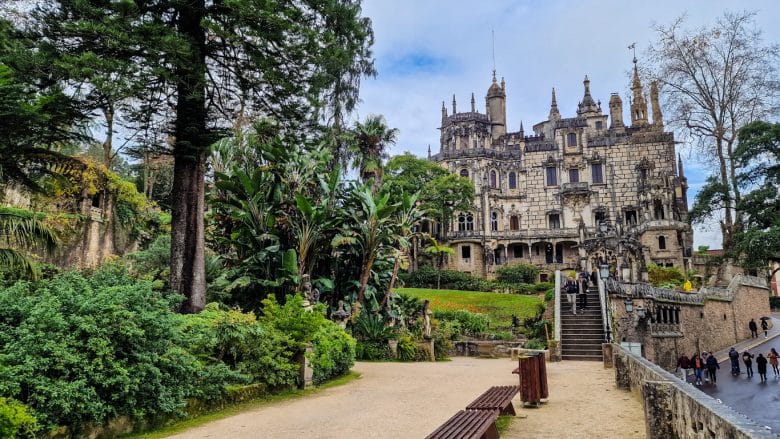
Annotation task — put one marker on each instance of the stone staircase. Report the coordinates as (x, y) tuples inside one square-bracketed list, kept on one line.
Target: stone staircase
[(582, 334)]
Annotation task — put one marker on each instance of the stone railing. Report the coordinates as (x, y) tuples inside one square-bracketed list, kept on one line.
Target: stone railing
[(580, 187), (477, 152), (647, 291), (674, 409)]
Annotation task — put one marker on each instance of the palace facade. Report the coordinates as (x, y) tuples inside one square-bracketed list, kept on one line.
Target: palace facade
[(576, 192)]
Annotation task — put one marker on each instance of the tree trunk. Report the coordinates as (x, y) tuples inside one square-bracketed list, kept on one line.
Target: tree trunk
[(188, 273), (728, 221), (108, 113), (438, 275), (396, 266), (364, 275)]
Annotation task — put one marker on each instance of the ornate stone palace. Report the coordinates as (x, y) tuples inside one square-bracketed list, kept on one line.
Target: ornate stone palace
[(577, 192)]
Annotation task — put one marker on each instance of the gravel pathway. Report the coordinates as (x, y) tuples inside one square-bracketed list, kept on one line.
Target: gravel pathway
[(393, 400)]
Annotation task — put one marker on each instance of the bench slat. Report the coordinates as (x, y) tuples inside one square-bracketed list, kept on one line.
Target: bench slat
[(498, 397), (475, 424)]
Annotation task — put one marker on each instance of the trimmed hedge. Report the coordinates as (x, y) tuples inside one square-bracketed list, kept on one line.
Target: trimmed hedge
[(425, 277)]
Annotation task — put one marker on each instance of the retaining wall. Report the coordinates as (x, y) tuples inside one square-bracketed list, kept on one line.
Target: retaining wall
[(674, 409)]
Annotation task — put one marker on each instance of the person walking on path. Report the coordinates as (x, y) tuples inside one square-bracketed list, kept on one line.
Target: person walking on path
[(747, 358), (734, 357), (683, 364), (698, 364), (761, 366), (594, 277), (570, 288), (583, 281), (773, 356), (753, 328), (765, 328), (712, 367)]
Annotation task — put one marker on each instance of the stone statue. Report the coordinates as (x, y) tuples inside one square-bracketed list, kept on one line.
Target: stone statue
[(427, 313), (310, 297), (341, 315)]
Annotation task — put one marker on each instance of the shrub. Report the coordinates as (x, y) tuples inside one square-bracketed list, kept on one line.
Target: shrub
[(549, 295), (503, 335), (471, 323), (442, 341), (82, 349), (668, 276), (535, 343), (407, 348), (258, 351), (371, 351), (371, 328), (517, 273), (543, 286), (15, 420), (333, 354)]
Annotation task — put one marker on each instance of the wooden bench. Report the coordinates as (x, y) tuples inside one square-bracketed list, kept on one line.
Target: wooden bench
[(468, 424), (496, 398)]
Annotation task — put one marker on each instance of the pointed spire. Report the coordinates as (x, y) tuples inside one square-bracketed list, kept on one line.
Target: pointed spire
[(429, 151), (473, 103), (587, 105), (503, 84), (638, 103), (680, 172), (522, 131), (443, 111), (454, 105), (554, 113)]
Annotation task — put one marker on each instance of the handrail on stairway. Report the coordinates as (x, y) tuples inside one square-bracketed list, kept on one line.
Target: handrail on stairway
[(605, 309), (557, 332)]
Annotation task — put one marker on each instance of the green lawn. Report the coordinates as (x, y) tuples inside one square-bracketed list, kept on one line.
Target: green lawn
[(498, 306)]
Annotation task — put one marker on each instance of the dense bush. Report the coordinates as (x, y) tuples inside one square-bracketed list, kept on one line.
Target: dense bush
[(372, 336), (517, 273), (425, 277), (261, 353), (665, 276), (371, 351), (334, 352), (469, 322), (15, 420), (80, 349), (407, 348)]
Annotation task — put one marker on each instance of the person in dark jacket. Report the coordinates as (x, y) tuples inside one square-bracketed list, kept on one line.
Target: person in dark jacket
[(683, 364), (712, 367), (761, 366), (594, 277), (734, 357), (765, 328), (753, 328), (747, 358)]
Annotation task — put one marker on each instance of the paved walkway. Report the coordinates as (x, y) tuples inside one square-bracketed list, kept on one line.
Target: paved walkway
[(393, 400)]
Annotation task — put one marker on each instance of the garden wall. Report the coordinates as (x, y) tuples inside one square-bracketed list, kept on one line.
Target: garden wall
[(674, 409)]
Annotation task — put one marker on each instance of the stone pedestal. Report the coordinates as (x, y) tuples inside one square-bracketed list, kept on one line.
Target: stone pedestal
[(306, 370), (393, 345), (606, 354), (427, 347)]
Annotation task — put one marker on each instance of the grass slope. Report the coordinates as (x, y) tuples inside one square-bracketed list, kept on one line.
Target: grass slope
[(498, 306)]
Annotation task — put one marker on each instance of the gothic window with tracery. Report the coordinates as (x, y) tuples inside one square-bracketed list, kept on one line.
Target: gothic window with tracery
[(493, 179), (494, 221)]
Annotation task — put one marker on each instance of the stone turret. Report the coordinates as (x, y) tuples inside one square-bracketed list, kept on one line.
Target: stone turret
[(658, 118), (554, 115), (588, 105), (616, 111), (443, 112), (473, 104), (454, 106), (638, 103), (496, 108)]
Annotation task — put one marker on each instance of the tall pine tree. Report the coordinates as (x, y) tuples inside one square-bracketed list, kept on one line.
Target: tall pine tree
[(198, 64)]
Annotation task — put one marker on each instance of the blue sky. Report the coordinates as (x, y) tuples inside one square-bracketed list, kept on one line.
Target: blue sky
[(426, 51)]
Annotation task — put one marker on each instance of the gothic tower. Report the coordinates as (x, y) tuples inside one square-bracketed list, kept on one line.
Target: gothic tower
[(496, 108), (638, 103)]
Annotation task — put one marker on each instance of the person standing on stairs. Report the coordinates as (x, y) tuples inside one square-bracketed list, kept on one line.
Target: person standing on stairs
[(570, 289), (583, 290), (594, 277)]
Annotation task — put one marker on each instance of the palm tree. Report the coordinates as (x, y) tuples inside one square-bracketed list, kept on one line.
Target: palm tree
[(21, 229), (371, 226), (371, 140), (438, 250), (407, 217)]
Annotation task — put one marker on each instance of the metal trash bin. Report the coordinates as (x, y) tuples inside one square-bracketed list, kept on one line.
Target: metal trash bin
[(533, 378)]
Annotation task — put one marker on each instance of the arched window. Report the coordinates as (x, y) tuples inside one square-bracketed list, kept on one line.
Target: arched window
[(572, 139), (461, 222), (464, 173), (662, 243), (469, 222), (512, 180), (493, 179), (658, 209), (494, 221), (514, 222)]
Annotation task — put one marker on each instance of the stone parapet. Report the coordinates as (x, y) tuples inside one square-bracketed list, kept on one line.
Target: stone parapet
[(674, 409)]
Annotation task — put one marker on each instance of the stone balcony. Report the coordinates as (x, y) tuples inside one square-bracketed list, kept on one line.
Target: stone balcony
[(527, 235), (578, 188)]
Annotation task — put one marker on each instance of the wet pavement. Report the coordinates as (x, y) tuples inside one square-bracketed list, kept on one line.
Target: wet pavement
[(759, 401)]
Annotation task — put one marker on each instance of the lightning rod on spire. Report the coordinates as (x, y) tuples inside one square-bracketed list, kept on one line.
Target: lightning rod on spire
[(632, 46), (493, 42)]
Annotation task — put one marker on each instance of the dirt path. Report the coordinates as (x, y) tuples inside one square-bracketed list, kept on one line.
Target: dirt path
[(394, 400)]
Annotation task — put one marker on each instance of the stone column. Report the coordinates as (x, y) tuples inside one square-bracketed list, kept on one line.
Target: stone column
[(657, 396)]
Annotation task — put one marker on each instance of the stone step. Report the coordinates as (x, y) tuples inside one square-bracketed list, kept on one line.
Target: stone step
[(583, 324), (582, 349), (575, 357)]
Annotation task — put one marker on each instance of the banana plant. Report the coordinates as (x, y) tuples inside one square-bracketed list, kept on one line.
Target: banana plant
[(408, 216), (438, 250)]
